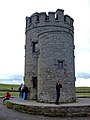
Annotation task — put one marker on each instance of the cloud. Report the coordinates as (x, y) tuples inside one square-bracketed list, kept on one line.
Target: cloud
[(83, 75), (15, 77), (81, 82), (11, 79), (82, 79), (82, 60), (8, 81)]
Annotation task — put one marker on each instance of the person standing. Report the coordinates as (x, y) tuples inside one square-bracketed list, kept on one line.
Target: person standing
[(25, 92), (58, 86), (20, 92)]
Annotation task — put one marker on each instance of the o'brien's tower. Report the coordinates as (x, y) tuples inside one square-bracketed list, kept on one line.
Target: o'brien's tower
[(49, 56)]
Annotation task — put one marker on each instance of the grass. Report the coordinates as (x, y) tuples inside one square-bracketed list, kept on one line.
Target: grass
[(9, 87), (83, 94), (83, 91), (80, 91), (13, 94), (1, 118)]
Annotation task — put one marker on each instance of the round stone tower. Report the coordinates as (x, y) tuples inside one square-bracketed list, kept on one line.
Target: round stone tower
[(49, 56)]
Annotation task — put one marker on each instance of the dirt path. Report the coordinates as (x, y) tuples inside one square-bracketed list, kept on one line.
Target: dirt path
[(9, 114)]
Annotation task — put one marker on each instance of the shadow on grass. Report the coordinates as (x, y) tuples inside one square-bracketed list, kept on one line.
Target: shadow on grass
[(1, 118)]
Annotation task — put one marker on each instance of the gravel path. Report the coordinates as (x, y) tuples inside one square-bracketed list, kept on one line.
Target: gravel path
[(9, 114)]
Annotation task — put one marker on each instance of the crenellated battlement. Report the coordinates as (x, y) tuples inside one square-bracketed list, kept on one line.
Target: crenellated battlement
[(39, 19)]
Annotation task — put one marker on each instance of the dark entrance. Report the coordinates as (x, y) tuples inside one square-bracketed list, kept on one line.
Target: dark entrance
[(34, 79)]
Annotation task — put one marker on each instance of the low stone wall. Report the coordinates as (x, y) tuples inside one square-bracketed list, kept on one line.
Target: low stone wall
[(51, 111)]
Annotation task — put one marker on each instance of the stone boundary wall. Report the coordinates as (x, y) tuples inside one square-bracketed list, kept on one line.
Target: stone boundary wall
[(52, 111)]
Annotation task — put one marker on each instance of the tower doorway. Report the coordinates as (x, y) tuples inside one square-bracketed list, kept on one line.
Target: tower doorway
[(34, 79)]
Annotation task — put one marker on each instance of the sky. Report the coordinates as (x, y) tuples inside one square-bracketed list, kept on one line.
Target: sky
[(12, 37)]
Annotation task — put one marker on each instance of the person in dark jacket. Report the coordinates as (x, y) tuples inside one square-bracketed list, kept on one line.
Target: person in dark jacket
[(24, 91), (20, 92), (58, 86)]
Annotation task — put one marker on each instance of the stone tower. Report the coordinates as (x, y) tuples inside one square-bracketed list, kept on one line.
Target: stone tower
[(49, 56)]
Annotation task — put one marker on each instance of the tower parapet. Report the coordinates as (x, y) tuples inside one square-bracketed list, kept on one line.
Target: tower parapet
[(53, 18)]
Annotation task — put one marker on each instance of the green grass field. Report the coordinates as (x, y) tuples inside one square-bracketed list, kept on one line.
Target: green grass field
[(13, 94), (9, 87), (83, 94), (1, 119), (80, 91), (83, 91)]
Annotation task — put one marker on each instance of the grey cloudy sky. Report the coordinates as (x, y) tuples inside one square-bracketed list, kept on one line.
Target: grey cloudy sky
[(12, 29)]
